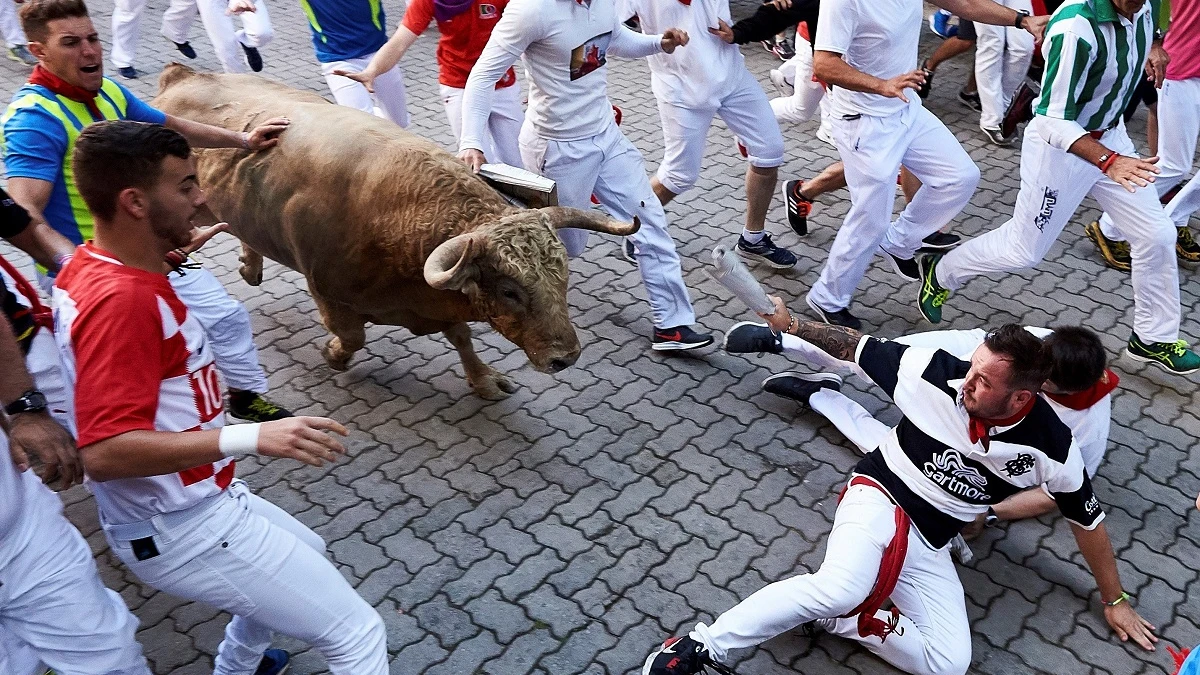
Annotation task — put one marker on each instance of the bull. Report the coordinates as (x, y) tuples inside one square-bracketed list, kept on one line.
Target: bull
[(385, 226)]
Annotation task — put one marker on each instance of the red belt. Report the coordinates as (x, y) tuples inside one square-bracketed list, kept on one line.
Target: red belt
[(889, 572), (1099, 133)]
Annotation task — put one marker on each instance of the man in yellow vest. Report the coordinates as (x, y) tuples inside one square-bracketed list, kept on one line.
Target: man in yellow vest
[(67, 92)]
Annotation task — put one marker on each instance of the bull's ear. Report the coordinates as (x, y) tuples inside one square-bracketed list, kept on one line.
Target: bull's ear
[(451, 265), (588, 219)]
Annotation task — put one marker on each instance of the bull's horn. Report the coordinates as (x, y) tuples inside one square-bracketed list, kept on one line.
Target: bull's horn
[(589, 219), (449, 264)]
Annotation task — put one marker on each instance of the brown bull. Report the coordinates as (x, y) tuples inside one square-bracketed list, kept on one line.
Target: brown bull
[(385, 226)]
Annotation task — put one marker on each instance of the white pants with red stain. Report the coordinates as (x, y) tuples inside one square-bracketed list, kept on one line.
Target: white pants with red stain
[(933, 636), (248, 557)]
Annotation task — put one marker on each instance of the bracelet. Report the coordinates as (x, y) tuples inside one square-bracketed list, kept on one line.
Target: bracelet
[(1107, 161), (245, 140), (1124, 597), (175, 258), (61, 260), (238, 440), (793, 323)]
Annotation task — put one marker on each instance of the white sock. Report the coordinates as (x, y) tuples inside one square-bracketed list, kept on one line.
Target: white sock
[(753, 237)]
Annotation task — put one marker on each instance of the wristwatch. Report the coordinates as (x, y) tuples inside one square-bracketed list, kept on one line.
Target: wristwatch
[(31, 401), (991, 518), (1021, 16)]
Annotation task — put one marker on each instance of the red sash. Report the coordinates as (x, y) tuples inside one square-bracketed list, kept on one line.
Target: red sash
[(889, 572)]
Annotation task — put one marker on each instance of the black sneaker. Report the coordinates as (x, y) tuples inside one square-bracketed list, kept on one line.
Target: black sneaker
[(798, 206), (679, 338), (128, 72), (186, 49), (970, 99), (748, 337), (799, 386), (633, 23), (682, 656), (905, 268), (784, 49), (923, 92), (253, 58), (629, 251), (842, 317), (765, 251), (252, 407), (939, 242), (274, 662)]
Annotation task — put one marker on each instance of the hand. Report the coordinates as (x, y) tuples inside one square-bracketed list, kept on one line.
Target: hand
[(366, 78), (200, 236), (894, 88), (723, 32), (781, 320), (1036, 25), (473, 158), (780, 5), (239, 6), (1127, 623), (1156, 64), (672, 38), (52, 444), (266, 135), (301, 438), (1133, 172)]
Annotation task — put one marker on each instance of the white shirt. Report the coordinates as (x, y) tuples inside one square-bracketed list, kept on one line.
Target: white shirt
[(875, 37), (705, 70), (566, 45)]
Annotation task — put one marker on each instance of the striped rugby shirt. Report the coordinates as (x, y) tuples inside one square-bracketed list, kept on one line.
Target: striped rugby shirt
[(929, 465), (1094, 60)]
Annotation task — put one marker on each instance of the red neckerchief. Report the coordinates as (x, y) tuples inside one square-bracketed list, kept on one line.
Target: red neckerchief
[(42, 316), (979, 427), (61, 87), (1082, 400)]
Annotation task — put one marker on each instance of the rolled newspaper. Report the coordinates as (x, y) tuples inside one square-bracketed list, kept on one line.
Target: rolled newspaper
[(732, 273)]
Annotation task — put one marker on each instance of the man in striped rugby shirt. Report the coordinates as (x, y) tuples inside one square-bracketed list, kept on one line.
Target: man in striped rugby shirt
[(1095, 52)]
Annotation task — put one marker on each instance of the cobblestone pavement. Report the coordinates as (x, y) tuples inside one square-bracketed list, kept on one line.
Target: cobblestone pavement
[(574, 525)]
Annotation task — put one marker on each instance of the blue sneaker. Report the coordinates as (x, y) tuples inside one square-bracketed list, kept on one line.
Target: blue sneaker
[(943, 24), (765, 251), (274, 662), (128, 72)]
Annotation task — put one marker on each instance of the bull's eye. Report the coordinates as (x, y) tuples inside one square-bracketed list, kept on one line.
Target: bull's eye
[(512, 295)]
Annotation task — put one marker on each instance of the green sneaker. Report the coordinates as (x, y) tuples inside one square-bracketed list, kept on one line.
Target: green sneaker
[(932, 295), (1173, 357)]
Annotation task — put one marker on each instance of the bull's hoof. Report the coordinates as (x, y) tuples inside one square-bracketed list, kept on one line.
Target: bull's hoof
[(252, 277), (493, 386), (338, 360)]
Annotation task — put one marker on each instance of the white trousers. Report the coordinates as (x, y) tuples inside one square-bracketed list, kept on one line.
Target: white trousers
[(54, 610), (176, 25), (872, 150), (1002, 58), (10, 24), (806, 95), (227, 324), (608, 166), (934, 637), (251, 559), (388, 101), (1178, 130), (503, 126), (1053, 184), (747, 113)]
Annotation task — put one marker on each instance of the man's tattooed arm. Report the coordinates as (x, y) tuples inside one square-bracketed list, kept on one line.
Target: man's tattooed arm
[(837, 341)]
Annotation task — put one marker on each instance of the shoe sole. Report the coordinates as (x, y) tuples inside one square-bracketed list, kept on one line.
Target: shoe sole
[(725, 338), (627, 257), (938, 248), (1092, 230), (1160, 364), (754, 257), (679, 346)]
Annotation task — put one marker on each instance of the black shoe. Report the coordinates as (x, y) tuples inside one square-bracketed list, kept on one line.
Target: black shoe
[(253, 58), (128, 72), (252, 407), (274, 662), (798, 206), (633, 23), (970, 99), (923, 92), (842, 317), (679, 338), (186, 49), (799, 387), (765, 251), (939, 242), (682, 656), (906, 268), (784, 49), (629, 251), (748, 337)]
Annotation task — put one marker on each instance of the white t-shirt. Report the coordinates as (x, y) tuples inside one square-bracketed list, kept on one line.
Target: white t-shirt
[(566, 45), (705, 70), (875, 37)]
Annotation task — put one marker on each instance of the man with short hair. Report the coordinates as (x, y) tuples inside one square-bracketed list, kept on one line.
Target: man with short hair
[(972, 435), (1076, 145), (67, 92), (152, 433)]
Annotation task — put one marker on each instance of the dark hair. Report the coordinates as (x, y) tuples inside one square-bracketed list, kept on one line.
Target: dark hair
[(36, 15), (1029, 365), (1077, 358), (114, 155)]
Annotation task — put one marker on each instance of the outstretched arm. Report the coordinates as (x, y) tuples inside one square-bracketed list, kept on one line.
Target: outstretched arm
[(1097, 550), (837, 341)]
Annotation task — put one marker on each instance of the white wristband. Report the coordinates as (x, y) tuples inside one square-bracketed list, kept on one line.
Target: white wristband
[(238, 440)]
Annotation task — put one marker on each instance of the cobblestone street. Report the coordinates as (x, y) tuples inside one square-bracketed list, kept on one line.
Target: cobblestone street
[(573, 526)]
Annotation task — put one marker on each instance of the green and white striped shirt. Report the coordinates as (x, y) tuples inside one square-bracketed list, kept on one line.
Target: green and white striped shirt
[(1094, 60)]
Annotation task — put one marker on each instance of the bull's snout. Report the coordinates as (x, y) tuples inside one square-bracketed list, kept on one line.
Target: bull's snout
[(562, 362)]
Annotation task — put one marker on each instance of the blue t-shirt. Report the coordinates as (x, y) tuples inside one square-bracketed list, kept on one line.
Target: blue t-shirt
[(345, 29), (1191, 666), (36, 144)]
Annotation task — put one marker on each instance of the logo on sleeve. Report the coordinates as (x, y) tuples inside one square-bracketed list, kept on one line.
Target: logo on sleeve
[(1092, 506), (590, 56)]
